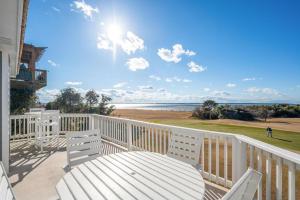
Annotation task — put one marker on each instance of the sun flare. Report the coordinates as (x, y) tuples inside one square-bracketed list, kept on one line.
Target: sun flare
[(114, 32)]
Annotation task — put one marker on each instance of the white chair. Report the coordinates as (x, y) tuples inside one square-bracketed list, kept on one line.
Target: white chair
[(245, 187), (6, 192), (47, 129), (83, 146), (185, 145)]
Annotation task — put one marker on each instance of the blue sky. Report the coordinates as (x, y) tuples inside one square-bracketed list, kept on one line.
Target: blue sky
[(170, 51)]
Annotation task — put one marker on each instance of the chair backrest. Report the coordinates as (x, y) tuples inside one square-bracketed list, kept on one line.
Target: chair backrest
[(50, 121), (6, 192), (245, 187), (83, 146), (185, 145), (36, 109)]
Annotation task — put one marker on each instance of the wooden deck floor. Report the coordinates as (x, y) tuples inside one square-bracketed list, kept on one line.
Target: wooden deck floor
[(34, 174)]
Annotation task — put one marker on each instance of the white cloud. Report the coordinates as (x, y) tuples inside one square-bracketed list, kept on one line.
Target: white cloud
[(157, 78), (52, 63), (104, 42), (85, 8), (268, 91), (55, 9), (73, 83), (135, 64), (129, 43), (169, 80), (120, 85), (230, 85), (206, 89), (177, 79), (175, 54), (249, 79), (195, 67), (147, 94), (145, 87), (186, 80), (46, 95), (218, 93)]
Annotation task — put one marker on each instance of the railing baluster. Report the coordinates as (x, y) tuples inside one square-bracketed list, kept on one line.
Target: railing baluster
[(268, 174), (225, 161), (148, 131), (202, 155), (251, 156), (217, 159), (152, 140), (160, 141), (291, 181), (259, 168), (278, 179), (156, 139), (165, 141), (209, 157)]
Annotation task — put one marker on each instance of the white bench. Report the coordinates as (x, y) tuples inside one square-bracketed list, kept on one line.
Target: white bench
[(245, 187), (83, 146), (6, 192)]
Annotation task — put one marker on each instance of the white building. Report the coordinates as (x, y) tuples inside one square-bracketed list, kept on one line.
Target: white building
[(11, 40)]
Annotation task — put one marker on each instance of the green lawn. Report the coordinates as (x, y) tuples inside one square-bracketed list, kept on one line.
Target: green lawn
[(284, 139)]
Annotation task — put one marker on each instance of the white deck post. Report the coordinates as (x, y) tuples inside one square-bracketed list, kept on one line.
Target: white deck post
[(236, 160), (4, 124)]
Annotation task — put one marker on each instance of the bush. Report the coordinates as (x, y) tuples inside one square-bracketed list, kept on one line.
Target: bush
[(201, 113), (239, 114)]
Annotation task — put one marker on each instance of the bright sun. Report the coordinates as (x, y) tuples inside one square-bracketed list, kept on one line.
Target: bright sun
[(114, 32)]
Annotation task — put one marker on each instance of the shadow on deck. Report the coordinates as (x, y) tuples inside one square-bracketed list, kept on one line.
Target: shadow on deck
[(34, 174)]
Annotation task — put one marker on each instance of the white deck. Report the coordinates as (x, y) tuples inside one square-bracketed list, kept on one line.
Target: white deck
[(34, 175)]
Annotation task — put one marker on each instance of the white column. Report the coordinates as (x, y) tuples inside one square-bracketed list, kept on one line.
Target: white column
[(5, 89)]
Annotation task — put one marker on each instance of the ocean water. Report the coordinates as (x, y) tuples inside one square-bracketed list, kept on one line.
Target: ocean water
[(171, 106)]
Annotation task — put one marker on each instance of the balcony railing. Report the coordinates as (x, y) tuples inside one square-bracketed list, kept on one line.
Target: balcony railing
[(224, 157)]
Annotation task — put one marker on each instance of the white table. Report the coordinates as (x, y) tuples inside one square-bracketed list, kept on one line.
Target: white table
[(132, 175)]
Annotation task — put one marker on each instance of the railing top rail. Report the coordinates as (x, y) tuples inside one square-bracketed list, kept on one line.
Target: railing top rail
[(277, 151)]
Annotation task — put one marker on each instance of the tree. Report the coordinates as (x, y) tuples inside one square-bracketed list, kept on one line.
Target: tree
[(104, 108), (210, 106), (68, 101), (264, 112), (21, 100), (92, 98)]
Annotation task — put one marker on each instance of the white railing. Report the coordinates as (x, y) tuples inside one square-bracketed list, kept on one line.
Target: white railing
[(224, 157), (22, 126)]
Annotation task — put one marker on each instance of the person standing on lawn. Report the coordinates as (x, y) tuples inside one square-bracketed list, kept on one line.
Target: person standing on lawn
[(269, 132)]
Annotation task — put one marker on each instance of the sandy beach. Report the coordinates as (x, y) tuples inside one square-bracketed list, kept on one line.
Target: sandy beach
[(287, 124)]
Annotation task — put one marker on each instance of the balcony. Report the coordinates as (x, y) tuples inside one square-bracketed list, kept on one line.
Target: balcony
[(224, 157), (27, 78)]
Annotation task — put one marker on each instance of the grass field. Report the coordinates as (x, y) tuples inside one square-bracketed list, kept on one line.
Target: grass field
[(284, 139)]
